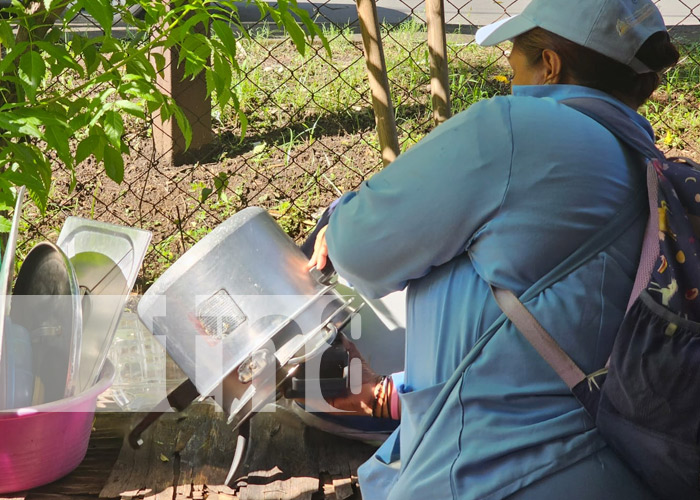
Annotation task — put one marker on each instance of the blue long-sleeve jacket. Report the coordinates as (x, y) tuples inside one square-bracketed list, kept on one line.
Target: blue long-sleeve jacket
[(500, 193)]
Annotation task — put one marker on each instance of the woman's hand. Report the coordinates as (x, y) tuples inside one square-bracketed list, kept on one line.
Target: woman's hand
[(320, 255), (354, 404)]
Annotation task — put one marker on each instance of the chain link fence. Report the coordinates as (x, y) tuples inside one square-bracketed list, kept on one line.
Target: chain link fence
[(310, 133)]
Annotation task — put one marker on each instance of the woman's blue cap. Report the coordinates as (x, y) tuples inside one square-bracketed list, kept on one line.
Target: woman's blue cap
[(614, 28)]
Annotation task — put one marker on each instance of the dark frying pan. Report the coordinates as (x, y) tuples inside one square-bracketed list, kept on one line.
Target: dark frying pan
[(46, 302)]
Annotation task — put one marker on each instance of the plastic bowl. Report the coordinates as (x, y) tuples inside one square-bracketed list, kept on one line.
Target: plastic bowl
[(42, 443)]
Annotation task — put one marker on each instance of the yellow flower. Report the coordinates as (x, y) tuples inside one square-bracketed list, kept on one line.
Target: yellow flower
[(668, 140), (502, 78)]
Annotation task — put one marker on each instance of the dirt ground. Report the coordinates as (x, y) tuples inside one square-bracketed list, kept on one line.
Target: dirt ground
[(293, 185)]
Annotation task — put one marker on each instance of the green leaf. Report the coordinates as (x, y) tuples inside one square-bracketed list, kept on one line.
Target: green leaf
[(7, 36), (73, 181), (312, 28), (241, 116), (184, 124), (9, 123), (58, 138), (221, 182), (6, 224), (295, 32), (219, 80), (11, 56), (206, 192), (31, 72), (212, 80), (6, 194), (102, 12), (91, 57), (225, 34), (30, 127), (110, 45), (29, 167), (194, 51), (114, 164), (114, 127), (140, 65), (62, 59), (130, 107), (87, 147), (159, 60)]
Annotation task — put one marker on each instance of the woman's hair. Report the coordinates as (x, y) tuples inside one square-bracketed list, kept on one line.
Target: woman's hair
[(584, 66)]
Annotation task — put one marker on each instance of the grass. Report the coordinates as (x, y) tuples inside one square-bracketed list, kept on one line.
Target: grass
[(279, 84), (674, 109), (293, 101)]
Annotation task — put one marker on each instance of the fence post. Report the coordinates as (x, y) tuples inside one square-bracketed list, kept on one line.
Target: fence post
[(378, 80), (437, 46), (191, 96)]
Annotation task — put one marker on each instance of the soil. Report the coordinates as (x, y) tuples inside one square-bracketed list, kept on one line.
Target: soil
[(294, 185)]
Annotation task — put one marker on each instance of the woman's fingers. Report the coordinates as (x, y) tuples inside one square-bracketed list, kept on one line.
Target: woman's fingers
[(320, 255)]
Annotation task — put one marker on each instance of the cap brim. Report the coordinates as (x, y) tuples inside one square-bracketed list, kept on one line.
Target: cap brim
[(502, 30)]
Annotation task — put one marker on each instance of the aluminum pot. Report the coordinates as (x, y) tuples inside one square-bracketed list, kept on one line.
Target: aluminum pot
[(239, 299)]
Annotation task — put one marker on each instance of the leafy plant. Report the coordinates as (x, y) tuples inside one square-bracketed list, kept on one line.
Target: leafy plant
[(42, 119)]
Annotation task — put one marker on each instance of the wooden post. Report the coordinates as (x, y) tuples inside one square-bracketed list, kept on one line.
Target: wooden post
[(437, 46), (378, 80), (191, 96)]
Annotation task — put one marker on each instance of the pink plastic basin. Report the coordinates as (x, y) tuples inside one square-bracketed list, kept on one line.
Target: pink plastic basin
[(42, 443)]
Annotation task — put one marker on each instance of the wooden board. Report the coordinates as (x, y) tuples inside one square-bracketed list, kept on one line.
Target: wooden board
[(180, 450), (289, 460), (186, 456)]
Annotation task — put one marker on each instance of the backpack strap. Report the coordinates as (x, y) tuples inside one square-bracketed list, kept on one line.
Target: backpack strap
[(609, 116), (612, 118), (540, 339)]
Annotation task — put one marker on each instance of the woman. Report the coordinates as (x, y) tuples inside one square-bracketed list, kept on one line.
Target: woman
[(501, 194)]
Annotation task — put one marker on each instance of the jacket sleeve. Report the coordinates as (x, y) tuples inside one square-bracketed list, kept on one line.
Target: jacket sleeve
[(425, 208)]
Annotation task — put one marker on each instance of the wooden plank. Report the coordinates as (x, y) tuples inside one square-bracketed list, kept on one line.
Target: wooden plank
[(180, 450), (186, 457), (378, 80), (57, 496), (289, 460), (437, 47)]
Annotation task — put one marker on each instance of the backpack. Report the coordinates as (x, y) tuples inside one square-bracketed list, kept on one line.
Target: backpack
[(646, 401)]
